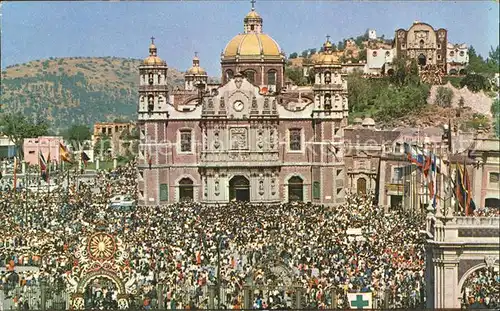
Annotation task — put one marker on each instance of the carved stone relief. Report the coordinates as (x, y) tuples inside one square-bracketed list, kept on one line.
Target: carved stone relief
[(210, 103), (254, 103), (216, 187), (266, 103), (216, 140), (490, 261), (260, 139), (271, 138), (222, 104), (239, 138)]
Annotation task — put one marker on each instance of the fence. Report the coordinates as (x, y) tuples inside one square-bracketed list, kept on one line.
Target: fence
[(45, 297)]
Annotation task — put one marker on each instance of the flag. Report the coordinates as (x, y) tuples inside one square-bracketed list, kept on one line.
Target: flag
[(463, 191), (15, 174), (432, 179), (414, 155), (64, 154), (85, 158), (359, 300), (43, 167)]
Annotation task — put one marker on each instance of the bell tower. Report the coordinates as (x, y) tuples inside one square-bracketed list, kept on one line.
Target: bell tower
[(153, 92), (253, 22), (152, 119), (330, 86)]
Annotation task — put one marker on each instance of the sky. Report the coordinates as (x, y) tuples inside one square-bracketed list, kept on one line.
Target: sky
[(39, 30)]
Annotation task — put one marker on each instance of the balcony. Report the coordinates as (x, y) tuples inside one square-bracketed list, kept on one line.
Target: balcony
[(153, 88), (240, 158), (327, 87)]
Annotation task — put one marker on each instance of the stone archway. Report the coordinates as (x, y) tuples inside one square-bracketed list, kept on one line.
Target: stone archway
[(239, 188), (488, 266), (77, 298)]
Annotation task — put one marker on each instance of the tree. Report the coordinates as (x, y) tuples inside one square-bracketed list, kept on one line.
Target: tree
[(475, 82), (78, 133), (293, 55), (495, 111), (18, 127), (444, 96), (304, 53), (296, 75), (494, 55)]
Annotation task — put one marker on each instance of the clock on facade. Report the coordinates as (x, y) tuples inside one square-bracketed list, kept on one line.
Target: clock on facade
[(238, 105)]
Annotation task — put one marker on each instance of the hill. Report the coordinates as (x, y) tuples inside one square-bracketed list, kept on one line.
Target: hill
[(75, 90)]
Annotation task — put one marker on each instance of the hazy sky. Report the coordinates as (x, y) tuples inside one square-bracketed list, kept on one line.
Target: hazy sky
[(35, 30)]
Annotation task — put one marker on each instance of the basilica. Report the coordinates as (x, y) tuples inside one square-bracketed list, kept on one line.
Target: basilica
[(249, 138)]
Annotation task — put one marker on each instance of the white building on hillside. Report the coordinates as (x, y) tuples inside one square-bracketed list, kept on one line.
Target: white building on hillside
[(457, 58)]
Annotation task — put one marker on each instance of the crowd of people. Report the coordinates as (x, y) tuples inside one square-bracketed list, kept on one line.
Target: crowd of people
[(182, 252)]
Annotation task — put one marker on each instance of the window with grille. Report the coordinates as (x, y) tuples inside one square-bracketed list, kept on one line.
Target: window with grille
[(295, 139), (494, 178), (250, 74), (316, 190), (271, 77), (186, 141)]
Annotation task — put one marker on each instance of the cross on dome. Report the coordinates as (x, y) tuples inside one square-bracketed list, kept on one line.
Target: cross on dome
[(328, 38), (253, 4), (152, 40)]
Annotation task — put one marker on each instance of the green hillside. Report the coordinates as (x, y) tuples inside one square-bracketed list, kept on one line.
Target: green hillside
[(75, 90)]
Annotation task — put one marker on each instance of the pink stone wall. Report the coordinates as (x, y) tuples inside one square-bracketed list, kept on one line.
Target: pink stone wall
[(32, 147)]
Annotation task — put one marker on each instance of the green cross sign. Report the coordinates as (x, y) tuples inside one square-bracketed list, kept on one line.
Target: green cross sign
[(359, 303)]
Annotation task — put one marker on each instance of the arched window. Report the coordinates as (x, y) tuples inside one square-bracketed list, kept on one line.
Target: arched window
[(328, 101), (361, 186), (250, 74), (422, 60), (295, 189), (374, 54), (453, 72), (151, 104), (387, 54), (452, 53), (150, 78), (462, 53), (271, 77), (328, 77), (186, 192), (421, 44), (229, 74)]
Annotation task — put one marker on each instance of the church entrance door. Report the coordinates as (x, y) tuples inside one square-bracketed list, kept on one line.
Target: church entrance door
[(239, 189)]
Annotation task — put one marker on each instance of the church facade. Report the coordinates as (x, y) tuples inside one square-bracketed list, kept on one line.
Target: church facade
[(247, 139)]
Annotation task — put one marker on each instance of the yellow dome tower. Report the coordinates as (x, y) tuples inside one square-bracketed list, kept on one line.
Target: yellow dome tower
[(254, 54)]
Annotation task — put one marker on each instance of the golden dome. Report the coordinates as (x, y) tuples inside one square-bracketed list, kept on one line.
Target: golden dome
[(253, 45), (327, 56), (253, 14), (328, 59), (196, 70), (154, 60)]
